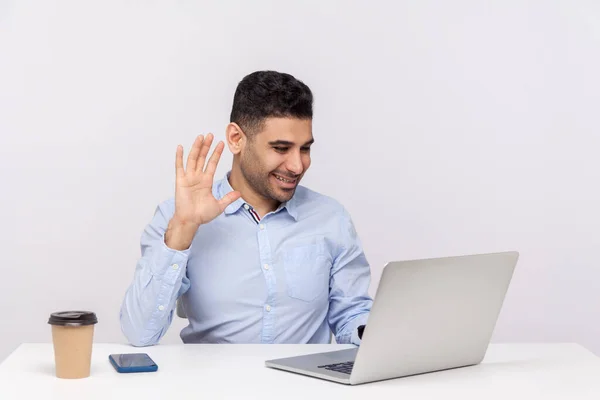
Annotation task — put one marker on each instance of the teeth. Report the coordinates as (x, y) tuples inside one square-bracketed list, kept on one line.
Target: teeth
[(282, 180)]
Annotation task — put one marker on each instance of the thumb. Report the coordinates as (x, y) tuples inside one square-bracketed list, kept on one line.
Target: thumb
[(229, 198)]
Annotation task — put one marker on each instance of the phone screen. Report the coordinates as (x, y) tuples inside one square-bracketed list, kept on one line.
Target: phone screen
[(133, 360)]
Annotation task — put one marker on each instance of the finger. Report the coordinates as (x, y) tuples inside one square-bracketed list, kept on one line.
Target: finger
[(193, 156), (179, 162), (228, 199), (204, 151), (211, 167)]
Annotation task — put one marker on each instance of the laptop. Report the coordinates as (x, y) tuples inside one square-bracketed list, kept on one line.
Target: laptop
[(427, 315)]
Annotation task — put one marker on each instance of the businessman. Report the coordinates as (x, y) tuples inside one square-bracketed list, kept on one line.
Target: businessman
[(254, 257)]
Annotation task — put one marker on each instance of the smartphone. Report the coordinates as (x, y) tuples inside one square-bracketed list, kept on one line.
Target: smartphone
[(132, 362)]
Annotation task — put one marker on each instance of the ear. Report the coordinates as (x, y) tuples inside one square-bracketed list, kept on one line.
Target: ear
[(236, 138)]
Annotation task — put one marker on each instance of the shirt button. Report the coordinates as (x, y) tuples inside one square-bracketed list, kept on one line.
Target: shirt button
[(246, 206), (262, 226), (161, 308), (175, 266), (268, 308), (266, 266)]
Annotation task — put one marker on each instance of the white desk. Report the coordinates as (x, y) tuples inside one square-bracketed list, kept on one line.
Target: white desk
[(509, 371)]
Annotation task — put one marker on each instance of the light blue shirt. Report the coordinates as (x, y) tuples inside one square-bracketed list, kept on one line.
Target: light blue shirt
[(295, 276)]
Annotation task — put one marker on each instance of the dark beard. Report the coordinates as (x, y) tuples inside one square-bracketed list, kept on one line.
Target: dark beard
[(259, 181)]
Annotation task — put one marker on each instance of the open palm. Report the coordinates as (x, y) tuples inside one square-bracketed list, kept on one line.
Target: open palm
[(194, 200)]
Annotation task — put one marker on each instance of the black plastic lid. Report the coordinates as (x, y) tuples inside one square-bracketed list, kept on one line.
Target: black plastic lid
[(73, 318)]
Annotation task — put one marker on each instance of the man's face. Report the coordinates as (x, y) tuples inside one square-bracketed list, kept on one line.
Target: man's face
[(275, 159)]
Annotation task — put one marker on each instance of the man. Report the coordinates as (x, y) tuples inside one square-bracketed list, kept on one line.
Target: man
[(255, 257)]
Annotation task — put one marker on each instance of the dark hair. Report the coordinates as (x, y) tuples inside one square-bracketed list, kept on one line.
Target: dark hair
[(264, 94)]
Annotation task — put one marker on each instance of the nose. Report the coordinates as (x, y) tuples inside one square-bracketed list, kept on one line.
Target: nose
[(294, 163)]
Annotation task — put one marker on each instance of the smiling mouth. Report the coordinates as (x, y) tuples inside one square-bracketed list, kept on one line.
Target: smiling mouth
[(285, 180), (285, 183)]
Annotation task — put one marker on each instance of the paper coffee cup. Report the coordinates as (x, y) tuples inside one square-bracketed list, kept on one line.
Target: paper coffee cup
[(72, 336)]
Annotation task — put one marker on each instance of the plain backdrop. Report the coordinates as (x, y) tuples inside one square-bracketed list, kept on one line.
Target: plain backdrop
[(445, 128)]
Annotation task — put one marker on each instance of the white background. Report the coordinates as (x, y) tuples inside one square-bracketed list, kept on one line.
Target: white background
[(445, 128)]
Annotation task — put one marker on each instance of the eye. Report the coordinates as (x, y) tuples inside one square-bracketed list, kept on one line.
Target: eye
[(281, 149), (305, 149)]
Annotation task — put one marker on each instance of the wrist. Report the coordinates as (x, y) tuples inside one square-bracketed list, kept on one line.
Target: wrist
[(179, 234)]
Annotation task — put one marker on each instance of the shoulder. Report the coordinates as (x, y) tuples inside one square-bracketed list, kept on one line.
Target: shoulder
[(329, 214), (308, 198), (168, 204), (165, 210)]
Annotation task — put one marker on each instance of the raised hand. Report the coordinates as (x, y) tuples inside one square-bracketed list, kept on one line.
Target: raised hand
[(195, 203)]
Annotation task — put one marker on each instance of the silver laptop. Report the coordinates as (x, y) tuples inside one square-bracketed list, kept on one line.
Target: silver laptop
[(427, 315)]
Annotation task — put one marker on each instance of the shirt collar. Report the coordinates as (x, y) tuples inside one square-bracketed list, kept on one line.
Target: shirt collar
[(225, 187)]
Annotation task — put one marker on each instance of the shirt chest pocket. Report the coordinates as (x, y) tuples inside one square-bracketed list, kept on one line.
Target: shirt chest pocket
[(306, 271)]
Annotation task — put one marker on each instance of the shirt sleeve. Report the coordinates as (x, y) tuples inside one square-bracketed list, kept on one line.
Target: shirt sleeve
[(159, 279), (349, 301)]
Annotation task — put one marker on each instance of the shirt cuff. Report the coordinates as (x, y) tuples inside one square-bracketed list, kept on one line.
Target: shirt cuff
[(362, 320), (169, 264)]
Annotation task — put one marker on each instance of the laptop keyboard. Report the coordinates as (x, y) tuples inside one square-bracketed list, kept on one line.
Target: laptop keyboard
[(344, 368)]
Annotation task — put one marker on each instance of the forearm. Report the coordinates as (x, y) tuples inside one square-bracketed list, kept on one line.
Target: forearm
[(349, 300), (346, 324), (147, 308), (159, 279)]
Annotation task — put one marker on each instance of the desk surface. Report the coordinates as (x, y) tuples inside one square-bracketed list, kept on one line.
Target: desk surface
[(524, 371)]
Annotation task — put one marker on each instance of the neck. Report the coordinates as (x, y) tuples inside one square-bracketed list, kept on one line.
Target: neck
[(261, 204)]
